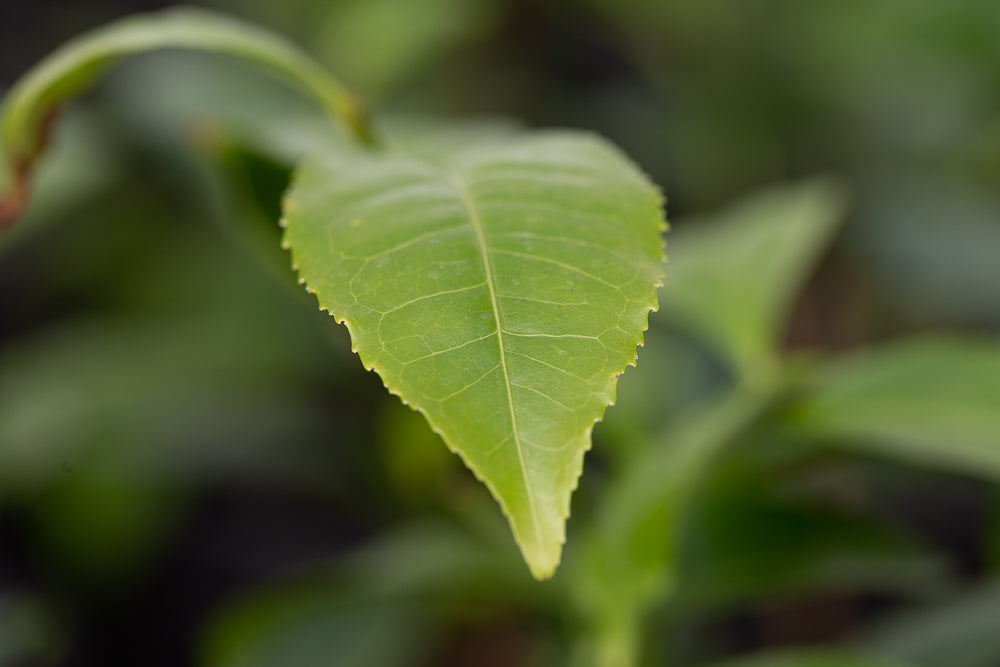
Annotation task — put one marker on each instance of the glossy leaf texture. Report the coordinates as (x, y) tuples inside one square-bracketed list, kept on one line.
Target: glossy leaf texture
[(499, 288)]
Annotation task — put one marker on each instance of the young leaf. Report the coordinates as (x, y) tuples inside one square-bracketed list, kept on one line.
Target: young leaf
[(499, 289), (30, 106), (935, 401), (733, 279)]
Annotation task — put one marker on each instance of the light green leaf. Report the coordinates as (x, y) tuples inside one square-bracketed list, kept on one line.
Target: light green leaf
[(499, 289), (933, 401), (732, 279), (400, 40)]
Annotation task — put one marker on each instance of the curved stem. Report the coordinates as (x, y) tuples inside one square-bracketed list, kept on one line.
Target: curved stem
[(31, 104)]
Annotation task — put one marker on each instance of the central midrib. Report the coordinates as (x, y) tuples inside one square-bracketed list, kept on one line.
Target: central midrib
[(477, 226)]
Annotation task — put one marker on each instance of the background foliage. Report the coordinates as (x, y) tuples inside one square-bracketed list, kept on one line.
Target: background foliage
[(194, 469)]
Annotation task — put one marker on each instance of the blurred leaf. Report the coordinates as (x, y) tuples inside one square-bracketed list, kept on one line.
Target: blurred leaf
[(732, 279), (85, 387), (959, 633), (224, 384), (84, 160), (750, 539), (200, 101), (405, 585), (674, 374), (417, 465), (104, 523), (500, 289), (929, 401), (627, 560), (312, 626), (812, 658), (928, 241), (28, 633), (431, 138), (398, 39), (27, 107), (437, 559)]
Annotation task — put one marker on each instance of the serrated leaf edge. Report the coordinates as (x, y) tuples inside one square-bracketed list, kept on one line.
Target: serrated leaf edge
[(540, 571)]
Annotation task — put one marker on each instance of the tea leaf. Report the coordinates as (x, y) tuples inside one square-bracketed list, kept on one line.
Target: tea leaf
[(499, 289), (932, 401)]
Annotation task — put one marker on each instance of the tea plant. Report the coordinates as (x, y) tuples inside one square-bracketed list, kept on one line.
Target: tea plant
[(499, 288), (499, 281)]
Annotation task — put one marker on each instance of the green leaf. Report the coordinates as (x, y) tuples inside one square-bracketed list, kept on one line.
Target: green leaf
[(932, 401), (400, 41), (29, 107), (627, 561), (499, 289), (729, 554), (315, 624), (733, 279), (391, 602)]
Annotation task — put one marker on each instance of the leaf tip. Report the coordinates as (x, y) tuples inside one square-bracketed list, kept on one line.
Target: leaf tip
[(542, 569)]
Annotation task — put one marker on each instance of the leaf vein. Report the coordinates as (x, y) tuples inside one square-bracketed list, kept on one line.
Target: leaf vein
[(477, 224), (552, 366), (564, 265), (466, 387), (424, 297), (544, 395), (445, 350)]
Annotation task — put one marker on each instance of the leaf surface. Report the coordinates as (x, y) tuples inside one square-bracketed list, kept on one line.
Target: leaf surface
[(934, 401), (733, 277), (499, 289)]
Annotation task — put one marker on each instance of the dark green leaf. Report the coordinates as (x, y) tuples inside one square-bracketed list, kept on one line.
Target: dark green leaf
[(959, 633)]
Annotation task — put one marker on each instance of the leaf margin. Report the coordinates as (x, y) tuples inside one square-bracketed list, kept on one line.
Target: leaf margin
[(541, 568)]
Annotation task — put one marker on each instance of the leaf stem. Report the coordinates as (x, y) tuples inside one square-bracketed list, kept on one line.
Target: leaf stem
[(30, 106), (627, 561)]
